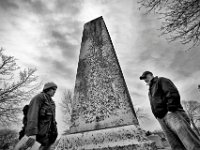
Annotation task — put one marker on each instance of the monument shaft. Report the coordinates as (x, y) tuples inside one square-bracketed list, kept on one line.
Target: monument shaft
[(101, 98)]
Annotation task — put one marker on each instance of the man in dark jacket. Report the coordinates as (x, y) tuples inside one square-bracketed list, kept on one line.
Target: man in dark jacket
[(41, 124), (166, 107)]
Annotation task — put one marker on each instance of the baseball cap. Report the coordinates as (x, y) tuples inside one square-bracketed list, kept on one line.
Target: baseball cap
[(143, 76)]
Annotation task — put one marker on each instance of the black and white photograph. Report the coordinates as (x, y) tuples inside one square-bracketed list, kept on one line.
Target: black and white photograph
[(99, 75)]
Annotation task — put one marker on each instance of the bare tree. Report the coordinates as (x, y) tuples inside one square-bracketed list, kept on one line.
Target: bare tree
[(180, 18), (16, 87), (66, 105), (192, 108), (141, 115)]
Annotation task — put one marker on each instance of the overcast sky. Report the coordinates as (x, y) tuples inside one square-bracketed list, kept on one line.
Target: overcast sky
[(46, 34)]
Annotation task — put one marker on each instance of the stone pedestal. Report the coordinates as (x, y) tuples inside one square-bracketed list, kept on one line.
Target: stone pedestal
[(126, 137), (103, 115)]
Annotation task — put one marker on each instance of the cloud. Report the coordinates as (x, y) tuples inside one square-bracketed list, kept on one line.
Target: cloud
[(42, 7), (186, 63), (48, 34), (62, 41), (8, 4), (169, 59), (38, 7)]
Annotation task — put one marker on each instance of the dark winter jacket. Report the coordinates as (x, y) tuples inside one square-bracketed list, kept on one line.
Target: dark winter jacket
[(41, 119), (163, 96)]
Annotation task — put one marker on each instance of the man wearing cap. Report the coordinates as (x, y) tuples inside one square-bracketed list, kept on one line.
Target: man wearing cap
[(166, 107), (41, 124)]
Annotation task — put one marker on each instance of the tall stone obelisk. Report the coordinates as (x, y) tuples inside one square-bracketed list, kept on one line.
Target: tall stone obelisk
[(103, 116)]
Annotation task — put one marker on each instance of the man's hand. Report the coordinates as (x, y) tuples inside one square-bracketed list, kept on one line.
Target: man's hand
[(169, 112), (33, 137)]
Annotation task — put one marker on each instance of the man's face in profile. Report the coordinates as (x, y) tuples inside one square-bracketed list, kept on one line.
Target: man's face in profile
[(148, 79)]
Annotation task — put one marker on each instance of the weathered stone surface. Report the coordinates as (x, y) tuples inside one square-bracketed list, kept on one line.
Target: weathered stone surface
[(126, 137), (157, 140), (101, 97), (103, 116)]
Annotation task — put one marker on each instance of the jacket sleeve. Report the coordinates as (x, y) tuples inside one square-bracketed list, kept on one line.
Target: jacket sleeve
[(32, 116), (171, 94)]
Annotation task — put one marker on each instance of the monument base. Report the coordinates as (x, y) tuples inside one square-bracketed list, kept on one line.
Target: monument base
[(128, 137)]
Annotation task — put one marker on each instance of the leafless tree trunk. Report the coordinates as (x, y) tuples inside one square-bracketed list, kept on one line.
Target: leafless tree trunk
[(141, 115), (66, 105)]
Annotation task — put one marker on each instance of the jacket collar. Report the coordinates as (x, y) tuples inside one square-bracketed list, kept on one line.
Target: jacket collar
[(47, 96), (154, 80)]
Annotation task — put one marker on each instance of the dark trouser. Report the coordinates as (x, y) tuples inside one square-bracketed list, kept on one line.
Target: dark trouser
[(176, 126)]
